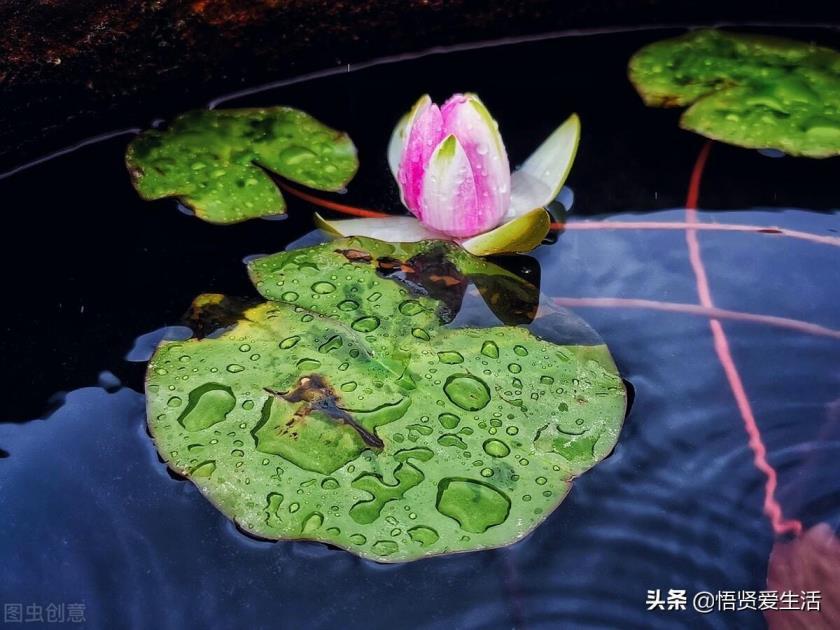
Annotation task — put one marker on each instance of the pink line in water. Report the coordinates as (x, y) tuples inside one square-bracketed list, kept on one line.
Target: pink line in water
[(696, 309), (772, 509), (712, 227)]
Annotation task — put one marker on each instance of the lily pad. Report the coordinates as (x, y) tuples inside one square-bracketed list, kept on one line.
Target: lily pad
[(216, 161), (344, 410), (748, 90)]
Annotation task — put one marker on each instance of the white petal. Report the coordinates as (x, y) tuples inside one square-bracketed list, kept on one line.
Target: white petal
[(395, 145), (448, 197), (541, 177), (397, 142), (392, 229)]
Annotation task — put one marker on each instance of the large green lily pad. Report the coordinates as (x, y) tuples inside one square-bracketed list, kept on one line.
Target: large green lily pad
[(215, 161), (343, 410), (748, 90)]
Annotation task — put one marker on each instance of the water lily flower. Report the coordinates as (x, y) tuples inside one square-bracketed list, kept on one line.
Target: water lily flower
[(452, 170)]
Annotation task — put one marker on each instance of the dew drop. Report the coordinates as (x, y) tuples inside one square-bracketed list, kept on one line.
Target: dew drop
[(467, 391), (207, 405), (449, 420), (410, 307), (312, 523), (450, 357), (496, 448), (385, 547), (365, 324), (323, 287), (289, 342), (308, 364), (329, 484), (348, 305), (424, 535), (419, 333), (204, 470), (333, 343)]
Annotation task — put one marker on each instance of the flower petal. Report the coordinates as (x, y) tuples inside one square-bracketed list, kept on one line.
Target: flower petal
[(520, 235), (448, 197), (465, 116), (393, 229), (398, 135), (541, 177), (396, 143), (422, 136)]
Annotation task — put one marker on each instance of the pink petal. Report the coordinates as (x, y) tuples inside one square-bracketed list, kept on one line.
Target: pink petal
[(423, 136), (448, 198), (467, 118)]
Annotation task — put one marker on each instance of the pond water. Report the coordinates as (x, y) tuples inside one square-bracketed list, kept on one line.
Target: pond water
[(90, 514)]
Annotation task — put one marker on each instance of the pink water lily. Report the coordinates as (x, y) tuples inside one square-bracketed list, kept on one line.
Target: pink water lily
[(452, 170)]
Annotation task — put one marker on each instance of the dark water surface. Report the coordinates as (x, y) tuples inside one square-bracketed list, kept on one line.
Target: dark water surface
[(89, 514)]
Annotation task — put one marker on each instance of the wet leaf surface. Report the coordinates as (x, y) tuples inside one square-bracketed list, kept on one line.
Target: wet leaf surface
[(748, 90), (343, 410), (216, 161)]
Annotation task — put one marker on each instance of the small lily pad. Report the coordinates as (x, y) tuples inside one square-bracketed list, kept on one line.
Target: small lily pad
[(216, 161), (344, 410), (748, 90)]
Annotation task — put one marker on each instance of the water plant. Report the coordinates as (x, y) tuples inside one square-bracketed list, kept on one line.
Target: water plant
[(452, 170), (450, 164), (748, 90), (344, 410), (216, 162)]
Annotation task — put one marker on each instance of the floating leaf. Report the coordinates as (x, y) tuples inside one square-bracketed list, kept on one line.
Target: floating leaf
[(343, 410), (215, 161), (435, 273), (752, 91)]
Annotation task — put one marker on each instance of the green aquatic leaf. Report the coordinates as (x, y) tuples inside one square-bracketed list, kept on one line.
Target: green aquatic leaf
[(215, 161), (748, 90), (432, 279), (343, 410)]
